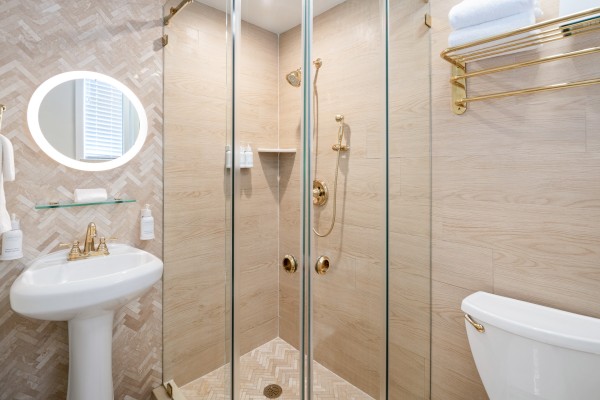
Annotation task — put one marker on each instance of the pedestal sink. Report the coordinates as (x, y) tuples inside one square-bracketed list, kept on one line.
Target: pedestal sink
[(86, 293)]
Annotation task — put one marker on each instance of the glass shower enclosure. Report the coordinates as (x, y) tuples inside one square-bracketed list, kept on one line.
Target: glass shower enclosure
[(297, 199)]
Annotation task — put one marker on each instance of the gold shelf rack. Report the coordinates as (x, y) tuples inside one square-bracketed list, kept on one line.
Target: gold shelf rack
[(553, 30)]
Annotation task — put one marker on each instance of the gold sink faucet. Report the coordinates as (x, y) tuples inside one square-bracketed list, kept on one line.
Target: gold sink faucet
[(90, 234), (89, 247)]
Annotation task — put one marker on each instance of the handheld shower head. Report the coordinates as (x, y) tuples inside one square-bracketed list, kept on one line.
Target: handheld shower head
[(294, 78)]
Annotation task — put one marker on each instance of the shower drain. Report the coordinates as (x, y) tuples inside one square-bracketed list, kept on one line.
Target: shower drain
[(272, 391)]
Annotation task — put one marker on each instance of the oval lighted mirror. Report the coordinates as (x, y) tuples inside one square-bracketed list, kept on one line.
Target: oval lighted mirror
[(87, 120)]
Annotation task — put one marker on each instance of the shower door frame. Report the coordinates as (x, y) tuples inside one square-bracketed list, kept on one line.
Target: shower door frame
[(306, 234)]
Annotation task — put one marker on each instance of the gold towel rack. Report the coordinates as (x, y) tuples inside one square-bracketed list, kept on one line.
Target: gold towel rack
[(545, 32)]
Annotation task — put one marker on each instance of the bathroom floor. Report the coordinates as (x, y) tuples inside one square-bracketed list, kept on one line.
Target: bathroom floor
[(274, 362)]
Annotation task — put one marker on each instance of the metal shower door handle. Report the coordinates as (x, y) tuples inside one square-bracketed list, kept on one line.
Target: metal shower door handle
[(322, 265)]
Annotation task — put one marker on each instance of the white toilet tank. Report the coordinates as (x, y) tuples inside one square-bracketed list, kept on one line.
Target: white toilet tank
[(529, 352)]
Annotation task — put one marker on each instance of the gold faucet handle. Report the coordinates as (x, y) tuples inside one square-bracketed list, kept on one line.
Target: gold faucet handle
[(102, 247), (75, 251)]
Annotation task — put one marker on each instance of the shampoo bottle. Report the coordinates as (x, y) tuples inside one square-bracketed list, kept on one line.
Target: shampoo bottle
[(242, 156), (12, 241), (227, 157), (146, 224), (249, 157)]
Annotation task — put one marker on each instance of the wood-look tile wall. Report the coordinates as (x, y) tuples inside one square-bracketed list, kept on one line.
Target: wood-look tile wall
[(40, 39), (197, 191), (515, 197)]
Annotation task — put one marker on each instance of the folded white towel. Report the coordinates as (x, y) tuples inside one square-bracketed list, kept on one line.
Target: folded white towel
[(8, 159), (492, 28), (89, 195), (475, 12), (7, 173)]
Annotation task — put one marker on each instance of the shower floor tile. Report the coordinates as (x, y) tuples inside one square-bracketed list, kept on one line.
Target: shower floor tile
[(274, 362)]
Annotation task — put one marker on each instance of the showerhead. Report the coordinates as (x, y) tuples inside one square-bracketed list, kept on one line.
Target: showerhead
[(318, 62), (294, 78)]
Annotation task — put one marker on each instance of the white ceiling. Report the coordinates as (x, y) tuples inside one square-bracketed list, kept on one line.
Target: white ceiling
[(275, 16)]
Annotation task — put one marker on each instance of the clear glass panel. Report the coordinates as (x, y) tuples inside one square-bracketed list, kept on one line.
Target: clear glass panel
[(197, 200), (268, 110), (348, 263), (410, 200)]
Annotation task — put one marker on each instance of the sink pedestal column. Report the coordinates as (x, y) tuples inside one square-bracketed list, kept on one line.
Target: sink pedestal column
[(90, 358)]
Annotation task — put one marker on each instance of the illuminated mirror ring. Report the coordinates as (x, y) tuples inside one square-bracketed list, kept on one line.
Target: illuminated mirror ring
[(33, 121)]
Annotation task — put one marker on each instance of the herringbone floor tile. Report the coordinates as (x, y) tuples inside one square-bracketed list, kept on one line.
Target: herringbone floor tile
[(273, 362)]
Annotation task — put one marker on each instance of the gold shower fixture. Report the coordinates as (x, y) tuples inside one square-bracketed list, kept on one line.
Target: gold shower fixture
[(294, 78), (339, 118)]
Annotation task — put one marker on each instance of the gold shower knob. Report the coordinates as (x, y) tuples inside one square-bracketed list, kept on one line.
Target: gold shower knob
[(322, 265), (290, 264)]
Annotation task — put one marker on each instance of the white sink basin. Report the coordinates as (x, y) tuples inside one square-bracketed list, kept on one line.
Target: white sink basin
[(86, 293), (55, 289)]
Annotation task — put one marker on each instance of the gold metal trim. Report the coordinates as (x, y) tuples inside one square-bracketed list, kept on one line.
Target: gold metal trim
[(542, 60), (541, 33), (428, 20), (322, 265), (289, 263), (174, 10), (459, 89), (531, 90), (320, 193), (165, 40), (480, 328)]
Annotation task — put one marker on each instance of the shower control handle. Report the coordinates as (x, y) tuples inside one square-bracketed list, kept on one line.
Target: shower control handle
[(289, 264), (322, 265)]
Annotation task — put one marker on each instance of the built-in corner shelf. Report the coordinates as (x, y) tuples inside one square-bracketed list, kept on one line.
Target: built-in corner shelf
[(70, 203), (273, 150)]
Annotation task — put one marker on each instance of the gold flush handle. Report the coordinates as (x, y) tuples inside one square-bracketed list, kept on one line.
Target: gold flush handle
[(480, 328), (290, 264), (322, 265)]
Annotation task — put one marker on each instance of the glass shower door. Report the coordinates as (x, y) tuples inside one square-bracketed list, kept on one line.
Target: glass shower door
[(347, 268)]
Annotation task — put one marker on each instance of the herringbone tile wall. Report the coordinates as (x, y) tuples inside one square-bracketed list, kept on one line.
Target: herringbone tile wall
[(38, 39)]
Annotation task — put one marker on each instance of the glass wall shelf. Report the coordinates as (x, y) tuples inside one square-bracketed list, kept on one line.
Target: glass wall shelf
[(70, 203)]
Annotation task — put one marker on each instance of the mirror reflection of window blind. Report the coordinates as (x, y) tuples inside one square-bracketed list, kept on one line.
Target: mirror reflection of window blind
[(102, 121)]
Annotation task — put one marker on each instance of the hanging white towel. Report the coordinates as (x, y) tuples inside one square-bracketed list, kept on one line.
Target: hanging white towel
[(475, 12), (7, 173), (492, 28)]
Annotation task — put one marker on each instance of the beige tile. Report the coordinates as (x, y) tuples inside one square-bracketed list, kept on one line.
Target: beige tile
[(461, 265)]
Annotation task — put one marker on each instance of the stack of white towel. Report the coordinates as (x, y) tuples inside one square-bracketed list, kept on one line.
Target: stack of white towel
[(7, 174), (472, 20)]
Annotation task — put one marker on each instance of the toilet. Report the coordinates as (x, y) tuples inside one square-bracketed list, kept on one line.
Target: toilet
[(525, 351)]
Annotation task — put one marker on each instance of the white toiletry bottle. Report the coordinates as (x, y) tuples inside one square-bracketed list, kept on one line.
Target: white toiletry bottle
[(146, 224), (249, 157), (12, 241), (242, 156), (227, 157)]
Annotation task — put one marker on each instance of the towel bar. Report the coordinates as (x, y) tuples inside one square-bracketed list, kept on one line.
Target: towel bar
[(524, 38)]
